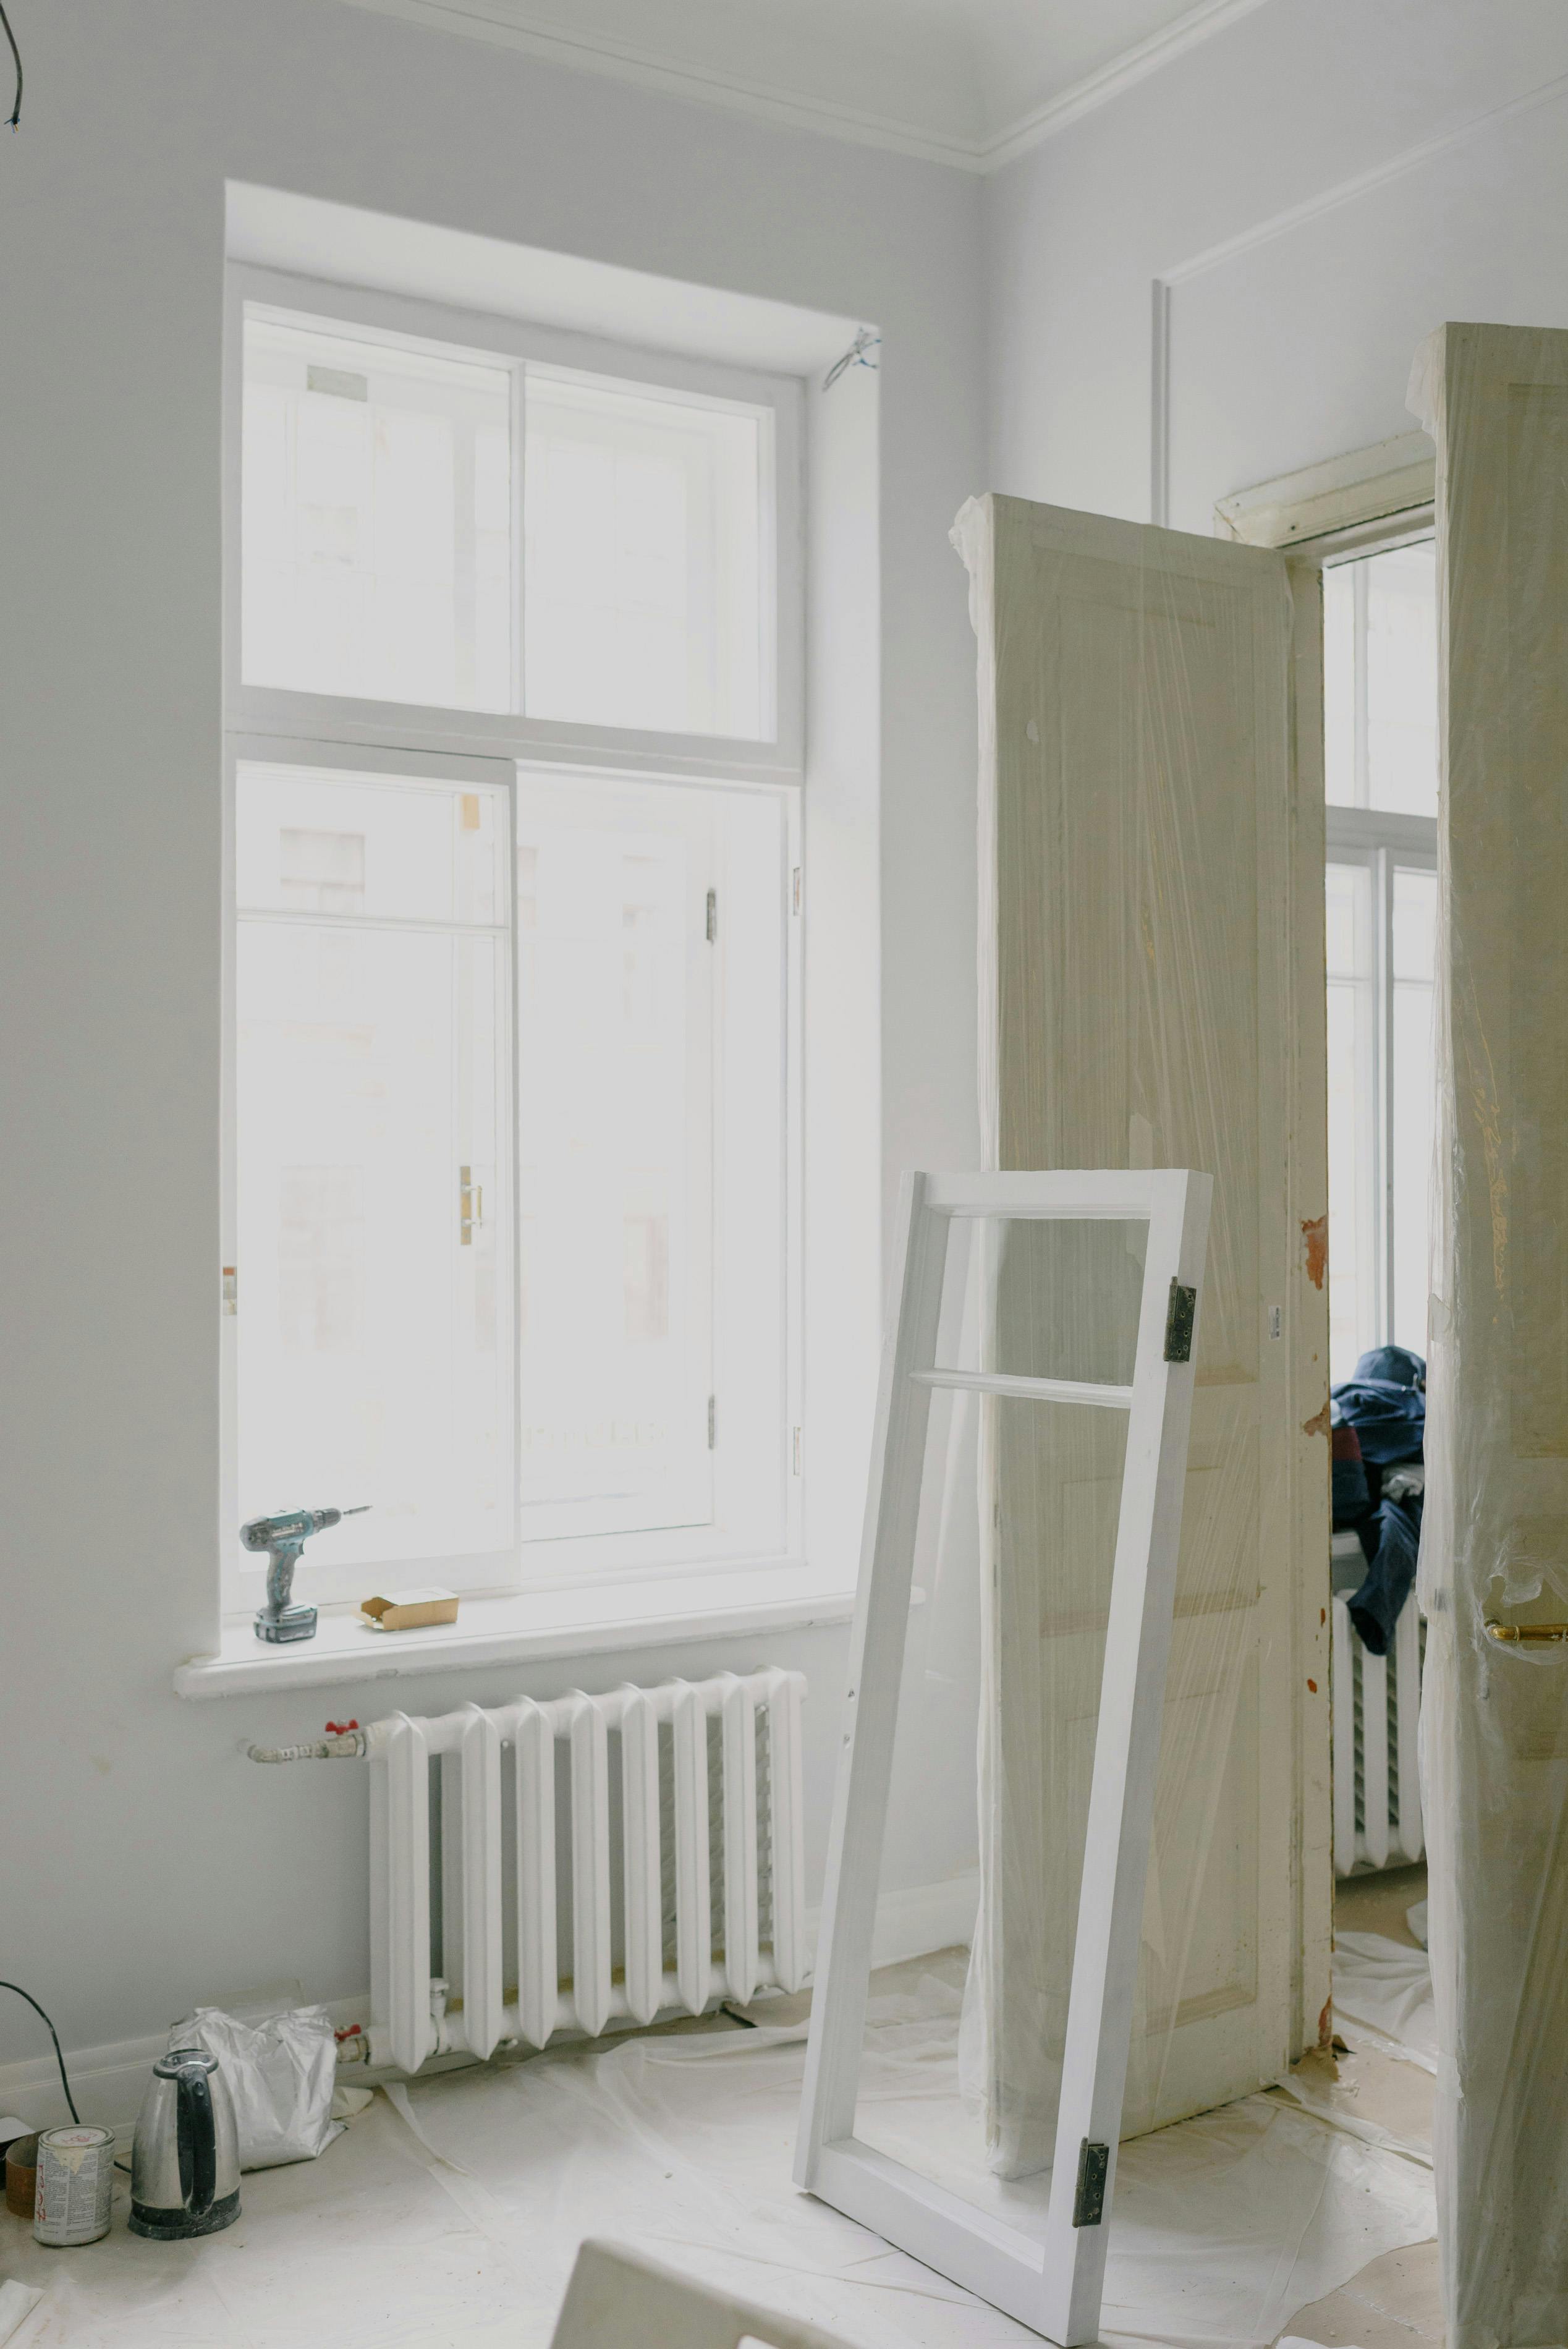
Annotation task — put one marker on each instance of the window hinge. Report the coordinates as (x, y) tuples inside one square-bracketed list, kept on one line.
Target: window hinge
[(712, 916), (795, 1453), (231, 1289), (1089, 2202), (712, 1422), (1179, 1322), (795, 890)]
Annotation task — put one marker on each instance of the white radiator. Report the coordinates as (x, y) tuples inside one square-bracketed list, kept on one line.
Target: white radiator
[(696, 1783), (1377, 1773)]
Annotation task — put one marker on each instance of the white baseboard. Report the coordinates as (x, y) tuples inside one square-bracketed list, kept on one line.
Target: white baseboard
[(108, 2081), (921, 1920)]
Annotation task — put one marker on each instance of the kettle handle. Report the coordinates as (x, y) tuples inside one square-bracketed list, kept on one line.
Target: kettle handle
[(198, 2141)]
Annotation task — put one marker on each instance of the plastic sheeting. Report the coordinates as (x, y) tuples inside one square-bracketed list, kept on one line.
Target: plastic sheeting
[(281, 2072), (1494, 1717), (1150, 915), (463, 2236), (1386, 1988)]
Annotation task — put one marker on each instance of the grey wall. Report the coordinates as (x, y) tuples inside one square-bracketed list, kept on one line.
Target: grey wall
[(143, 1863), (1380, 168)]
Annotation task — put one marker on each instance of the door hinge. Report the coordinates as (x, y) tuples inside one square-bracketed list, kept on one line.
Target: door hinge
[(795, 890), (1179, 1323), (1089, 2202), (470, 1207), (712, 1422), (712, 916), (795, 1452), (231, 1289)]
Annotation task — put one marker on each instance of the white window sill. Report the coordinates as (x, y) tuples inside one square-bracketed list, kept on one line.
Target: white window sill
[(522, 1628)]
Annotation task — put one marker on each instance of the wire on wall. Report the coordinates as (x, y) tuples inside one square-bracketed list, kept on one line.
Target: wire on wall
[(16, 110), (64, 2079), (858, 354)]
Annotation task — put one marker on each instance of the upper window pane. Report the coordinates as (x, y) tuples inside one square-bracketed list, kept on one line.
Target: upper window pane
[(1380, 681), (643, 593), (376, 524)]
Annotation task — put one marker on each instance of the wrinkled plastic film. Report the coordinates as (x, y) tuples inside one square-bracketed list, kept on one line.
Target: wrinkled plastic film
[(1134, 788), (1494, 1716), (281, 2071)]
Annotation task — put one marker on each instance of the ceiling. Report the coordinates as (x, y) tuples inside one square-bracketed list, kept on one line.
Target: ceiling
[(968, 82)]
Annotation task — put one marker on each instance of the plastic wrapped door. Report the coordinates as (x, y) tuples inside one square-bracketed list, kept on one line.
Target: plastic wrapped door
[(1494, 1725), (1152, 983)]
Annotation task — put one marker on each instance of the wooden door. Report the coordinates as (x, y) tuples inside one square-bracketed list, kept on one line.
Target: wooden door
[(1153, 994), (1495, 1726)]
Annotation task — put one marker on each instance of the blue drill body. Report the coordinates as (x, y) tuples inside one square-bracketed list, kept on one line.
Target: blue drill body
[(284, 1538)]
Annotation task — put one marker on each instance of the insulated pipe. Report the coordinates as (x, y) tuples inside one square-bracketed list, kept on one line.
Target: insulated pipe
[(343, 1748)]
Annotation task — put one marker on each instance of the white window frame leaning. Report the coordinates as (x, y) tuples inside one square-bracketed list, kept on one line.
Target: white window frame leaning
[(276, 726)]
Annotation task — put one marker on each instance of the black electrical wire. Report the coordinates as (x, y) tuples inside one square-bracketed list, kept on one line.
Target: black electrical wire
[(16, 119), (27, 1994)]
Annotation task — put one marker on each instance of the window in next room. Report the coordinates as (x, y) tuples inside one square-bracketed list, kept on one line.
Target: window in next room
[(1380, 756)]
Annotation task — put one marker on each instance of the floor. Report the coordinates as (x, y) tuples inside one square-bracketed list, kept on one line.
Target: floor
[(1395, 2303), (447, 2216)]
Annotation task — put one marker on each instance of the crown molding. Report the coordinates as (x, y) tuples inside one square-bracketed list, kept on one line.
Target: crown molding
[(1097, 89), (594, 54)]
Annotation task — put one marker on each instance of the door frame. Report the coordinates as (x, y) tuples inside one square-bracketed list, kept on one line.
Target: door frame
[(1365, 501)]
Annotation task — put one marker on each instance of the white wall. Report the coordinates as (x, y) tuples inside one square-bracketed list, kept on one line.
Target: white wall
[(143, 1863), (1378, 169)]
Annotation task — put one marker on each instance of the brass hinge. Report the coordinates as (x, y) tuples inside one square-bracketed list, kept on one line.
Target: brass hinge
[(1178, 1321), (1094, 2163)]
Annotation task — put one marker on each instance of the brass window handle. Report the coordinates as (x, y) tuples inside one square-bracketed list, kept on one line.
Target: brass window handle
[(470, 1207), (1531, 1635)]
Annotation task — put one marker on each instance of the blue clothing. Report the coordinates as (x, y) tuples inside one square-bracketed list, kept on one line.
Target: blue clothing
[(1385, 1403), (1390, 1573)]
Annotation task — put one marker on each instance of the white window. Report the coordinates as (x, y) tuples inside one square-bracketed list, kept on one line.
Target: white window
[(1380, 758), (510, 1169)]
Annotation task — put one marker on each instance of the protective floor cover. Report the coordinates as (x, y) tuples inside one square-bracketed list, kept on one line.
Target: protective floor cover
[(464, 2234), (1386, 1989)]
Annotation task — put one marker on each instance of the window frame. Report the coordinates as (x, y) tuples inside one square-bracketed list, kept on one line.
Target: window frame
[(267, 710), (279, 727), (1382, 845)]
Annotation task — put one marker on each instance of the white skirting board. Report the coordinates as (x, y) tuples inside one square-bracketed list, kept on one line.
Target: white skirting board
[(108, 2080)]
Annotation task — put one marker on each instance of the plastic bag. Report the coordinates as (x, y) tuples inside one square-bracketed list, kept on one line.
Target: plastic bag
[(280, 2072)]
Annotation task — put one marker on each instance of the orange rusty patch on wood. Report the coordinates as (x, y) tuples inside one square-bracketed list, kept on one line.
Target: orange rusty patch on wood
[(1313, 1686), (1322, 1616), (1317, 1424), (1314, 1232)]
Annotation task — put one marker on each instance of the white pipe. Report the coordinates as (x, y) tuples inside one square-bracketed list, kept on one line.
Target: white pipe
[(353, 1743)]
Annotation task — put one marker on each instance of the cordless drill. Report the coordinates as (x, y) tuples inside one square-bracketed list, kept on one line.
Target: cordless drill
[(284, 1538)]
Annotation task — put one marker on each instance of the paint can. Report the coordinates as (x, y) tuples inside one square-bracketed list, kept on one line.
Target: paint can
[(22, 2176), (76, 2186)]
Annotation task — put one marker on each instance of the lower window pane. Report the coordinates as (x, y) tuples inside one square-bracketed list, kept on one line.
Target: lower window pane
[(374, 1348), (1352, 1119), (1415, 916), (616, 1143)]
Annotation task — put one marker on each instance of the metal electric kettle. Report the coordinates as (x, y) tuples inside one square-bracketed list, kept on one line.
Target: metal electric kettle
[(185, 2169)]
